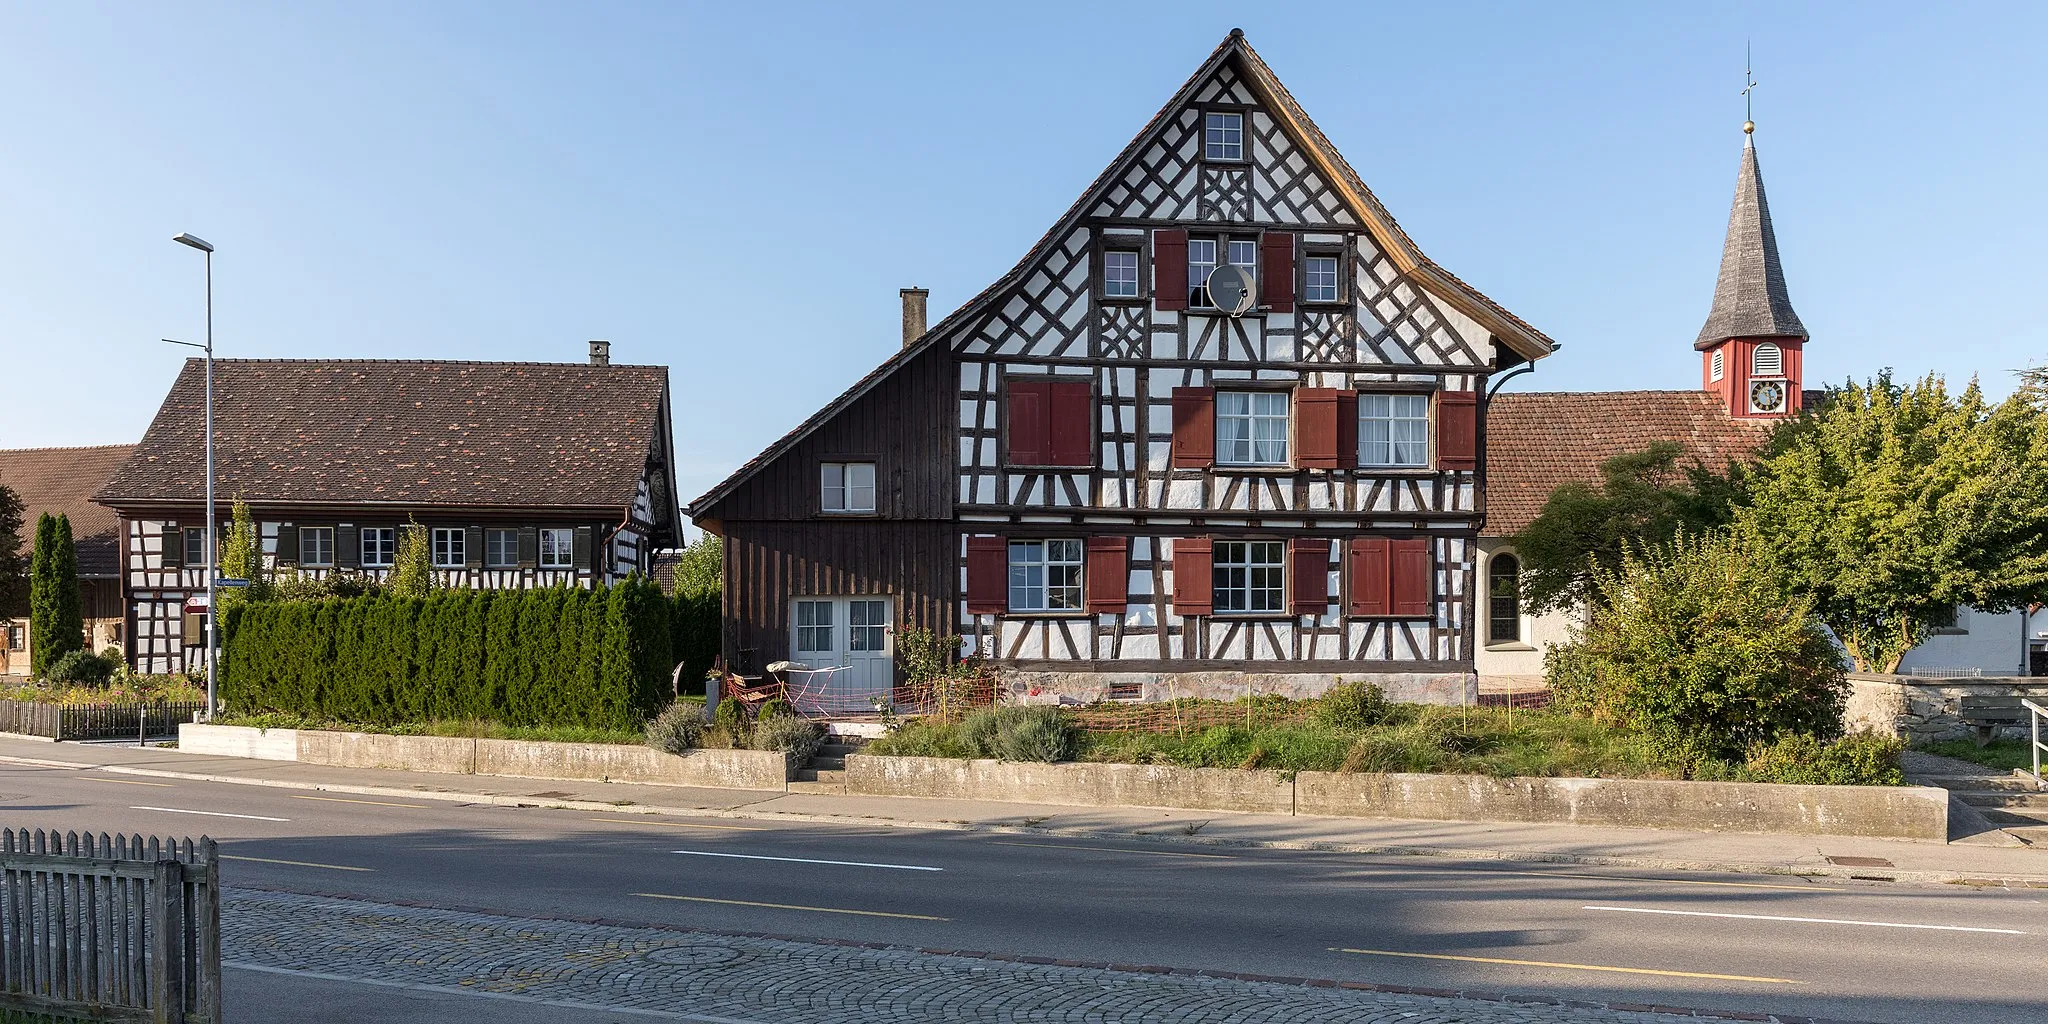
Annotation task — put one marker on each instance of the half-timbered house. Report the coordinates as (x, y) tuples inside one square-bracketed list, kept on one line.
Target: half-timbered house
[(1127, 470), (521, 474), (62, 481)]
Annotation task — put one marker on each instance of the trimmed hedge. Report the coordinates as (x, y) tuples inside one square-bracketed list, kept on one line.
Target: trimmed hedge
[(556, 656)]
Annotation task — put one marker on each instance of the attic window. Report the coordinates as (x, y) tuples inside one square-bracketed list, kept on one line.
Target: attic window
[(1767, 361), (1223, 135), (1714, 369)]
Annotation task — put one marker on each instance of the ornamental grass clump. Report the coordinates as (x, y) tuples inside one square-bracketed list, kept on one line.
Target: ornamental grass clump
[(678, 729), (796, 738)]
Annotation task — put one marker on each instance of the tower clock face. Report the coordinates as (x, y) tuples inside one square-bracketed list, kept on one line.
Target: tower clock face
[(1767, 396)]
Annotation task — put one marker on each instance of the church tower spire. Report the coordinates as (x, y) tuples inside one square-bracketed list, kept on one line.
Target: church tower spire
[(1750, 344)]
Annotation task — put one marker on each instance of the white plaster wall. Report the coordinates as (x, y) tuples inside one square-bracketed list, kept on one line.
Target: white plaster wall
[(1987, 641), (1521, 663)]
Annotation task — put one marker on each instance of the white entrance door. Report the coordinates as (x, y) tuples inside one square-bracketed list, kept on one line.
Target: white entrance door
[(853, 634)]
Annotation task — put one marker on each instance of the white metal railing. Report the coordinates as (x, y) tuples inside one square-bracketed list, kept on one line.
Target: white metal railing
[(1943, 673), (2035, 713)]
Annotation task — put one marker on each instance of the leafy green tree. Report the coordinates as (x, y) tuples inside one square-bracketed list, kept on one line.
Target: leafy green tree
[(1702, 648), (1644, 498), (694, 616), (13, 560), (412, 568), (241, 558), (1891, 505), (701, 569), (56, 619)]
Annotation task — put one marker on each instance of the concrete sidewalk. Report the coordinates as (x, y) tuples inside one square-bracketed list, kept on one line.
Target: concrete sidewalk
[(1810, 856)]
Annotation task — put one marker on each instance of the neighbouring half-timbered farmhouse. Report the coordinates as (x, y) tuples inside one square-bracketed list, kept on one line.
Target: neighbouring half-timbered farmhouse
[(1121, 482), (522, 474), (63, 480)]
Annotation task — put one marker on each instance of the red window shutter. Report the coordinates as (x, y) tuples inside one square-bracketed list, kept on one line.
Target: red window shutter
[(1109, 574), (1411, 578), (988, 576), (1276, 266), (1347, 430), (1070, 412), (1369, 576), (1457, 430), (1025, 429), (1194, 426), (1315, 428), (1309, 569), (1170, 269), (1194, 580)]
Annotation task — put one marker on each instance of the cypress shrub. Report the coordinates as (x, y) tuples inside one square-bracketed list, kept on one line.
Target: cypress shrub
[(523, 657)]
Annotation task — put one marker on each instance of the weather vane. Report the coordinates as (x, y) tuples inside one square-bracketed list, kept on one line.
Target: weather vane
[(1749, 86)]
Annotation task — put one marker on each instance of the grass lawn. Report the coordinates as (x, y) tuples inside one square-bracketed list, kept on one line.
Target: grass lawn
[(2002, 754), (466, 728), (120, 690)]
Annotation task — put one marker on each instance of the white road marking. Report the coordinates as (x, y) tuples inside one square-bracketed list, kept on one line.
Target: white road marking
[(806, 860), (211, 814), (1810, 920), (414, 986)]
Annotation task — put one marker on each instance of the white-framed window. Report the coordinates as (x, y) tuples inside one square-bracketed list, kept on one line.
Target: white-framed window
[(1714, 368), (316, 545), (867, 626), (17, 636), (1045, 575), (557, 548), (847, 486), (1244, 252), (1319, 279), (1251, 428), (451, 547), (1120, 274), (1201, 263), (1767, 361), (1251, 576), (814, 627), (501, 549), (1393, 429), (1223, 135), (195, 546), (1503, 599), (380, 546)]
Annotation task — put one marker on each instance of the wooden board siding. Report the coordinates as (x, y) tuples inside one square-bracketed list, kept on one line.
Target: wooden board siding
[(767, 564), (905, 425)]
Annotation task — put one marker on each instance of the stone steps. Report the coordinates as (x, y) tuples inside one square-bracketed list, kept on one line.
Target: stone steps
[(2005, 799), (825, 772)]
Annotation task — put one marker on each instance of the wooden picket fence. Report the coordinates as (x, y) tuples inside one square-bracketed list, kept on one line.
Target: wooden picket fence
[(96, 721), (115, 928)]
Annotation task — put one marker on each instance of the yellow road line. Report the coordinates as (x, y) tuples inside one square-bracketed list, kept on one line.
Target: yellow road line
[(127, 782), (1114, 849), (346, 800), (683, 824), (1569, 967), (295, 863), (790, 906)]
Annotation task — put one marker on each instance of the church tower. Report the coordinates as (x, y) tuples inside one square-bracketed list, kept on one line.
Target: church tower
[(1750, 346)]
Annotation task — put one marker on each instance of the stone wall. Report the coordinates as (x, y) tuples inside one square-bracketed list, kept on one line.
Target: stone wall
[(1921, 709), (1454, 688)]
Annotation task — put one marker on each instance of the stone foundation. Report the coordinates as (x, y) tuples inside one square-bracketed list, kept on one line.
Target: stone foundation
[(1036, 687), (1919, 709)]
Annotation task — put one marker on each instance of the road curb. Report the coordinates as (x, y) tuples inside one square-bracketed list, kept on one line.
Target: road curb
[(742, 811)]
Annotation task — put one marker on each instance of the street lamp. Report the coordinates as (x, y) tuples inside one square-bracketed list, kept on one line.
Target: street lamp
[(211, 547)]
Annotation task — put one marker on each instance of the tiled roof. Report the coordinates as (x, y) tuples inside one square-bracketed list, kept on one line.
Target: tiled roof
[(425, 432), (1750, 300), (63, 480), (1538, 440)]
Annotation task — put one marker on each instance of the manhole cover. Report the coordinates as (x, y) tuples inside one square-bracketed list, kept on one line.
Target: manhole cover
[(1860, 862), (693, 956)]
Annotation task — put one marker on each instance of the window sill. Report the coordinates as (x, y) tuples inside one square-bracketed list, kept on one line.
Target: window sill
[(1509, 647), (1254, 616), (1048, 615), (1391, 618), (1016, 468), (1402, 471), (1272, 470), (1123, 300), (848, 515), (1948, 632)]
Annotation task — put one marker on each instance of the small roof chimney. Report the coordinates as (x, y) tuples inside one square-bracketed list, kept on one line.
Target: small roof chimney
[(600, 353), (913, 313)]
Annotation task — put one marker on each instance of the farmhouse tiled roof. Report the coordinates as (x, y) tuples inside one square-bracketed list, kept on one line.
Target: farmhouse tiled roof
[(63, 480), (406, 432), (1538, 440), (1750, 300)]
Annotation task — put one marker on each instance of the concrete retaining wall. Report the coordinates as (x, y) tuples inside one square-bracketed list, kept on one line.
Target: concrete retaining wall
[(1085, 785), (1088, 687), (1880, 811), (454, 755)]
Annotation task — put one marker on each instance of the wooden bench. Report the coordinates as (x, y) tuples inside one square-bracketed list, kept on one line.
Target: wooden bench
[(1988, 713)]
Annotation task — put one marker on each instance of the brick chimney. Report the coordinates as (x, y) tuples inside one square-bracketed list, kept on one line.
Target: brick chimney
[(913, 313), (600, 353)]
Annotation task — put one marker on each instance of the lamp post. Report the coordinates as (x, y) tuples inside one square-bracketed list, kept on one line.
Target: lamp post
[(211, 548)]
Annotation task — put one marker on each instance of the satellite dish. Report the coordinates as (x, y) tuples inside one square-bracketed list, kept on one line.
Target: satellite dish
[(1230, 289)]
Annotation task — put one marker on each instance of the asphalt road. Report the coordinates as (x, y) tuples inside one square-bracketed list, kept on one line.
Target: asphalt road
[(1875, 952)]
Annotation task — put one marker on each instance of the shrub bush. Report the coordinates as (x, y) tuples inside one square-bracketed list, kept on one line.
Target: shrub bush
[(678, 729), (1353, 705), (1035, 733), (796, 738), (1695, 647), (553, 656), (774, 707), (730, 716), (80, 668), (1862, 759)]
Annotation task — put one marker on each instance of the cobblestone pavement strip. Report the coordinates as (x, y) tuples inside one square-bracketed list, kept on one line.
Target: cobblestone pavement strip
[(707, 975)]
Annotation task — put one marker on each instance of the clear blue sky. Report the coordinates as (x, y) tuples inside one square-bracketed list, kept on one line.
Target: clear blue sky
[(738, 190)]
